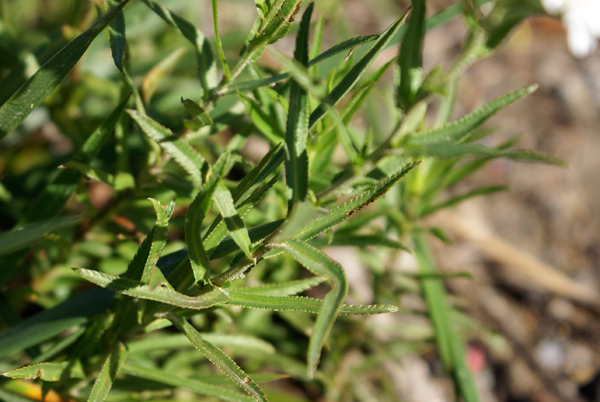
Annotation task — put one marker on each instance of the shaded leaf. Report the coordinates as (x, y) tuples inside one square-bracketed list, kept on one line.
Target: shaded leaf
[(182, 152), (107, 375), (296, 133), (57, 192), (193, 385), (31, 94), (219, 358)]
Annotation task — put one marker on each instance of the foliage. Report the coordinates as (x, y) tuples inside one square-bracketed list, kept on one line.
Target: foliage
[(201, 238)]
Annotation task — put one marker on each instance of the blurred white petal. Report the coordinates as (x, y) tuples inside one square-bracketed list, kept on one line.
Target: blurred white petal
[(553, 6)]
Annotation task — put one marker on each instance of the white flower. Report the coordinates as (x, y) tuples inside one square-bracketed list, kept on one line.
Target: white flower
[(582, 21)]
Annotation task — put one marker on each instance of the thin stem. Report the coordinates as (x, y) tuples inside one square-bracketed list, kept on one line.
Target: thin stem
[(226, 73)]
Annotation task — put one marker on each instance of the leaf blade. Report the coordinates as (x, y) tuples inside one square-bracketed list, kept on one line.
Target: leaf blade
[(219, 358), (318, 263), (31, 94)]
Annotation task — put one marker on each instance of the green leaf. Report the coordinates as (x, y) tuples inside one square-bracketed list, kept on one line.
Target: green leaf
[(195, 110), (45, 372), (118, 42), (525, 155), (321, 265), (411, 55), (277, 22), (360, 240), (159, 71), (195, 216), (161, 294), (340, 47), (226, 72), (91, 172), (296, 133), (219, 358), (24, 236), (135, 268), (343, 212), (460, 128), (440, 234), (159, 237), (299, 303), (282, 289), (297, 227), (207, 68), (179, 341), (233, 221), (263, 121), (108, 374), (154, 374), (182, 152), (31, 94), (56, 193), (460, 198), (449, 343), (257, 175), (45, 325), (356, 72), (317, 44), (228, 246)]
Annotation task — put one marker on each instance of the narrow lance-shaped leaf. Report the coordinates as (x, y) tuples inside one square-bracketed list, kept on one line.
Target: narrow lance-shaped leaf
[(195, 216), (162, 294), (187, 383), (283, 289), (340, 47), (343, 212), (319, 264), (207, 68), (197, 111), (356, 72), (411, 55), (180, 341), (235, 224), (183, 153), (460, 128), (299, 303), (24, 237), (44, 371), (263, 121), (91, 172), (296, 134), (460, 198), (108, 374), (159, 238), (219, 358), (57, 192), (296, 226), (448, 340), (42, 83), (277, 22), (226, 72), (116, 31)]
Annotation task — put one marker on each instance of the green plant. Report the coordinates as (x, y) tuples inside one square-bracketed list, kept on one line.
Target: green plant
[(237, 218)]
